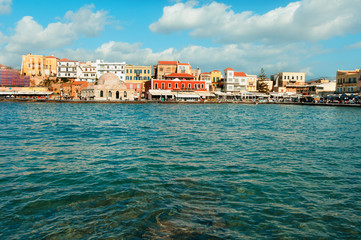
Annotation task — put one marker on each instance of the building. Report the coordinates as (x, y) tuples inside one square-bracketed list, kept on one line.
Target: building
[(176, 86), (12, 78), (234, 81), (346, 81), (359, 81), (216, 77), (252, 83), (184, 68), (108, 88), (77, 87), (87, 72), (67, 69), (32, 65), (321, 86), (206, 77), (50, 66), (140, 73), (117, 68), (38, 68), (196, 73), (289, 82), (164, 68)]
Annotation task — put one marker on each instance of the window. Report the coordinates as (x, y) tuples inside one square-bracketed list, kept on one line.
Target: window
[(156, 86), (148, 71), (117, 95), (176, 85), (202, 86), (125, 94), (138, 86), (169, 85), (182, 85), (131, 71), (127, 70), (101, 94), (189, 86), (131, 77), (162, 85), (131, 86)]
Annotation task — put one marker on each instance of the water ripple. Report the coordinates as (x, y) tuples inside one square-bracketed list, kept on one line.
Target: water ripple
[(99, 171)]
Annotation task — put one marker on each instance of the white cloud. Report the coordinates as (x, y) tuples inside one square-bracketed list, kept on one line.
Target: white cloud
[(87, 22), (31, 36), (5, 6), (306, 20)]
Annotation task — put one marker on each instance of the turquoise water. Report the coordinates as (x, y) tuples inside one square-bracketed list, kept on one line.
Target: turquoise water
[(153, 171)]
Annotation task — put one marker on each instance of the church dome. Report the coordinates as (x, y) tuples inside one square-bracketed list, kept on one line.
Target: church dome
[(109, 79)]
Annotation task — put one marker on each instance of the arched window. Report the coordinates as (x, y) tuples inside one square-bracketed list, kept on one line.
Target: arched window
[(101, 94), (162, 85), (156, 86), (117, 95), (110, 94), (125, 94)]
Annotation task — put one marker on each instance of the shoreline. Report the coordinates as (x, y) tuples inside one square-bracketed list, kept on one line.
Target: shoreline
[(175, 102)]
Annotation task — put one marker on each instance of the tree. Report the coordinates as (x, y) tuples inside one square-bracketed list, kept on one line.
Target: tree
[(262, 76), (262, 85)]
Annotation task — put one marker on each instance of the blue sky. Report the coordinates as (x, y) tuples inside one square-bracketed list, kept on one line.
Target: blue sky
[(314, 36)]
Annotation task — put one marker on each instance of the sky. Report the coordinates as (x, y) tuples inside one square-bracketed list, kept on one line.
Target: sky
[(317, 37)]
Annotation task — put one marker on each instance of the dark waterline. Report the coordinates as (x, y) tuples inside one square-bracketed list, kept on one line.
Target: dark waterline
[(81, 171)]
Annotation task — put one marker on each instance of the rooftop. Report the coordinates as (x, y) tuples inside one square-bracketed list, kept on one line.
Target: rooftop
[(240, 74), (167, 62), (180, 75)]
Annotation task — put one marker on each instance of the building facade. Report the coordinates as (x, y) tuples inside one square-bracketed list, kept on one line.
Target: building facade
[(117, 68), (234, 81), (67, 69), (251, 83), (39, 66), (13, 78), (164, 68), (87, 72), (141, 73), (216, 77), (289, 81), (347, 81), (109, 88)]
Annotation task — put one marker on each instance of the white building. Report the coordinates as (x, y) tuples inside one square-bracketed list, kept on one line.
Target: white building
[(118, 68), (184, 68), (67, 68), (234, 81), (87, 72)]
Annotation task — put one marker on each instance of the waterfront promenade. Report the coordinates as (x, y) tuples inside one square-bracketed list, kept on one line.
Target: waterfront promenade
[(180, 102)]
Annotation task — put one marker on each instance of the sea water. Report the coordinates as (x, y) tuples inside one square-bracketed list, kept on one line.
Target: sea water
[(182, 171)]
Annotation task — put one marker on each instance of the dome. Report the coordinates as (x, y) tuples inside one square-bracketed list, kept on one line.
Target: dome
[(109, 79)]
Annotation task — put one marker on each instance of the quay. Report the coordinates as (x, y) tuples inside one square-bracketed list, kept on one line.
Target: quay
[(176, 102)]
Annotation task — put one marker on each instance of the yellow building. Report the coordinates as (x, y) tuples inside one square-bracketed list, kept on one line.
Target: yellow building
[(138, 72), (32, 65), (346, 81), (216, 77), (50, 66), (38, 65)]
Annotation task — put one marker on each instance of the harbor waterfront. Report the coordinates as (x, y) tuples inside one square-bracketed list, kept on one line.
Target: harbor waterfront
[(181, 171)]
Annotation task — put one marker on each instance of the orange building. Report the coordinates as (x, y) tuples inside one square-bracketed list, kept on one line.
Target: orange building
[(164, 68), (76, 88)]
